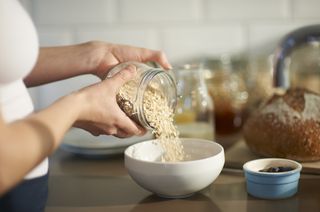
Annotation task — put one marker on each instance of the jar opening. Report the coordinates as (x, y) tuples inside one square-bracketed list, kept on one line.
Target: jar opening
[(160, 81)]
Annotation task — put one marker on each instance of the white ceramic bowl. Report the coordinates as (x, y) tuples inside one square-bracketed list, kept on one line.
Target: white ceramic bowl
[(175, 179)]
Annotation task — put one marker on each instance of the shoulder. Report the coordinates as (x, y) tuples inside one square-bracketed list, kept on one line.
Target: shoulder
[(18, 45)]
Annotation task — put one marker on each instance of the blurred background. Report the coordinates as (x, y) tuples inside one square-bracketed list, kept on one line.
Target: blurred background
[(225, 36)]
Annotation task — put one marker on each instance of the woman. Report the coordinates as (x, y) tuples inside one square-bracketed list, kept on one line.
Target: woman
[(26, 138)]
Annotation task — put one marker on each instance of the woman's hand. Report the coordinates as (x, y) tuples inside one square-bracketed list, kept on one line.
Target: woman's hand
[(93, 108), (94, 57), (100, 113), (110, 55)]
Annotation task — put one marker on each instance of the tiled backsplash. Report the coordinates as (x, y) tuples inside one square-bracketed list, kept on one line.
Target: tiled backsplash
[(182, 28)]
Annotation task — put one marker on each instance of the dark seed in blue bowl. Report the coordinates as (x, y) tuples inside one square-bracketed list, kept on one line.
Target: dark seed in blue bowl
[(277, 169)]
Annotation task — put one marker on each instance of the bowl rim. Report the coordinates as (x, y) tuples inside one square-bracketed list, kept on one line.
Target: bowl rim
[(221, 151), (248, 170)]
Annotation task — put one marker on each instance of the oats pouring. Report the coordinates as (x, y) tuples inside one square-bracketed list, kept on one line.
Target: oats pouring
[(149, 100)]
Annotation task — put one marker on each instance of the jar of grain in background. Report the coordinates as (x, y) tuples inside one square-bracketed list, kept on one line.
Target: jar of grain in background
[(226, 81), (194, 110), (138, 96)]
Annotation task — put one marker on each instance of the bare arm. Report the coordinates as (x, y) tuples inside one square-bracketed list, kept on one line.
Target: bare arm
[(57, 63), (95, 57), (24, 143)]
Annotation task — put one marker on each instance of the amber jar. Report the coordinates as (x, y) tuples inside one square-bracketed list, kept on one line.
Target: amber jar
[(227, 86)]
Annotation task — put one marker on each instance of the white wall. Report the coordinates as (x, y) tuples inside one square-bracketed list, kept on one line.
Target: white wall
[(182, 28)]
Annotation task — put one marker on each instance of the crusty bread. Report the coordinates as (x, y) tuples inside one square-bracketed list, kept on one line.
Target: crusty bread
[(286, 126)]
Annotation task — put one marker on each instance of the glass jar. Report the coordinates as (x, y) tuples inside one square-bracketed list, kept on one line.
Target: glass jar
[(228, 89), (147, 78), (193, 115)]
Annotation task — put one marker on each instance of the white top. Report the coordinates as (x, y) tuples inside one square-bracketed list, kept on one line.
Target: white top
[(19, 51)]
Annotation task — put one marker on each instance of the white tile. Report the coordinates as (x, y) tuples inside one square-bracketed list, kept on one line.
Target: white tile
[(306, 8), (51, 92), (198, 41), (247, 9), (135, 36), (264, 38), (160, 11), (74, 11), (53, 37)]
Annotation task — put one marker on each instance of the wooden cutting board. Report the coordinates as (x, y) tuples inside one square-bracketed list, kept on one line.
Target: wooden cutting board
[(239, 153)]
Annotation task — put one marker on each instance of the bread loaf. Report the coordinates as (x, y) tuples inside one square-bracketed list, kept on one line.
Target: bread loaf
[(286, 126)]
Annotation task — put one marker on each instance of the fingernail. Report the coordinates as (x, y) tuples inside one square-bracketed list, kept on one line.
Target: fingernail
[(138, 132), (142, 132), (132, 69)]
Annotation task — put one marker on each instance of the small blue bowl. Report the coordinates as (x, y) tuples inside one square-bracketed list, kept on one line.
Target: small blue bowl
[(272, 185)]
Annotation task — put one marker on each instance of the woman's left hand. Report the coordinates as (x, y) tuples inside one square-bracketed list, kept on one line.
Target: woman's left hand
[(109, 55), (94, 57)]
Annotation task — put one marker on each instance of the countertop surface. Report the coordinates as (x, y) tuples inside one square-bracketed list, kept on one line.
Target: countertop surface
[(82, 184)]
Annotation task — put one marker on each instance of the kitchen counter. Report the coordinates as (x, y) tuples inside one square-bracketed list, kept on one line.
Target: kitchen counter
[(83, 185)]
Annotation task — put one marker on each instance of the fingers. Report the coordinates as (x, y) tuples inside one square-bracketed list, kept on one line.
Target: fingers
[(122, 77), (125, 124), (89, 127), (101, 129), (131, 53), (126, 127), (124, 134), (156, 56)]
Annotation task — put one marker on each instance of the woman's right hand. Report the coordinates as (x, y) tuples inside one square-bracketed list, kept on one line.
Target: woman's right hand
[(100, 113)]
